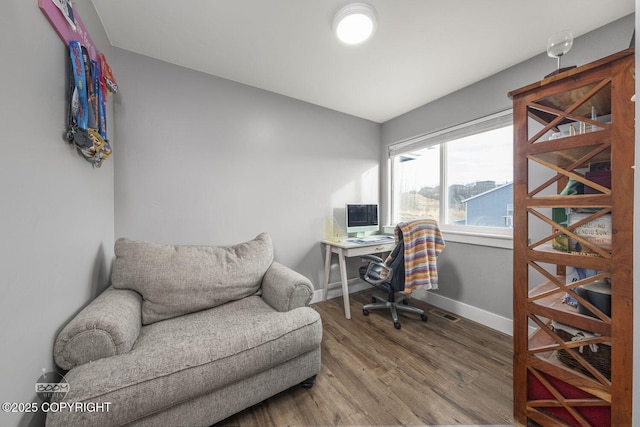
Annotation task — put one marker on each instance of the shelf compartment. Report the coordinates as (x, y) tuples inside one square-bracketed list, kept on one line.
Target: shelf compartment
[(588, 233), (552, 308), (581, 142), (547, 346), (579, 102), (575, 201), (554, 367), (563, 152), (546, 254), (580, 105), (570, 171), (551, 293), (574, 319), (567, 172), (555, 400)]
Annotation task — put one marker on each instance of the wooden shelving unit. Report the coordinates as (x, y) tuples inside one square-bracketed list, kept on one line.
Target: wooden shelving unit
[(564, 125)]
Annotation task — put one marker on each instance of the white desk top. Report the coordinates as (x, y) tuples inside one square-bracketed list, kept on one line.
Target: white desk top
[(354, 242)]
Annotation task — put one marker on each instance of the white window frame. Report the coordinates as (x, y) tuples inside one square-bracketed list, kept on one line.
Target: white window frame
[(501, 237)]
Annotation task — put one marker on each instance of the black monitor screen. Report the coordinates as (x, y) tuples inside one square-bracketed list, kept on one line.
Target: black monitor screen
[(362, 215)]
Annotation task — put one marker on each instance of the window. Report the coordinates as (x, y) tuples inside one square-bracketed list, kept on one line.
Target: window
[(462, 176)]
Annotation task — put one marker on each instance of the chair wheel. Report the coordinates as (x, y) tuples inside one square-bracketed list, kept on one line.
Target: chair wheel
[(365, 312), (423, 317), (397, 325)]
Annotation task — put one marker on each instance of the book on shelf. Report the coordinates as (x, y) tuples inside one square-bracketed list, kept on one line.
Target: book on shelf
[(596, 232)]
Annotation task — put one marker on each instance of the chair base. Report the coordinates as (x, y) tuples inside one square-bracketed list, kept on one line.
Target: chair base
[(393, 306)]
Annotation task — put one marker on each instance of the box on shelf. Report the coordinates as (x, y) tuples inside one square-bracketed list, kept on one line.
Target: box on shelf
[(602, 177), (560, 242), (559, 215), (596, 231)]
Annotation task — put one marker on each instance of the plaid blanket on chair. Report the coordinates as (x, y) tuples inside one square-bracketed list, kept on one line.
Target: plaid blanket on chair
[(423, 242)]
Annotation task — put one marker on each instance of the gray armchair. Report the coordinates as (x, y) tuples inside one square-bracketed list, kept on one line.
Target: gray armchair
[(188, 335)]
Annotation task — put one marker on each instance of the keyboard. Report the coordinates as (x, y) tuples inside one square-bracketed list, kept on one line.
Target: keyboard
[(372, 239)]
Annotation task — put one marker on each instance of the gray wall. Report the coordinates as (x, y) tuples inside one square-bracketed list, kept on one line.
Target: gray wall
[(56, 216), (204, 160), (484, 280)]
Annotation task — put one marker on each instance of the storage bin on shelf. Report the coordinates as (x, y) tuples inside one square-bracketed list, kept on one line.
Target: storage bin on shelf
[(598, 355)]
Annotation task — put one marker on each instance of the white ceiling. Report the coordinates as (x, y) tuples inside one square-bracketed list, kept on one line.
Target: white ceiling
[(422, 50)]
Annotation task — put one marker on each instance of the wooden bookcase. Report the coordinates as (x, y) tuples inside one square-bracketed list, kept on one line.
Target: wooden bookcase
[(563, 126)]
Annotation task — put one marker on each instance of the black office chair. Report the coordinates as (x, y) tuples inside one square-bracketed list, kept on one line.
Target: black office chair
[(388, 277)]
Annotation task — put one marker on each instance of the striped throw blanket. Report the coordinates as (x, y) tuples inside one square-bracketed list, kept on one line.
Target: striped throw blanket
[(423, 242)]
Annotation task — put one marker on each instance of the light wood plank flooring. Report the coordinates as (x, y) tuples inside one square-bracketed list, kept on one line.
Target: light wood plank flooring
[(441, 372)]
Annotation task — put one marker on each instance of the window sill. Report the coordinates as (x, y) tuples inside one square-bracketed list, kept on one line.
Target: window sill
[(504, 241), (481, 239)]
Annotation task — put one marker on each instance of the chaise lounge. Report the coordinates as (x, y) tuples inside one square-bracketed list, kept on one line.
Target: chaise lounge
[(188, 335)]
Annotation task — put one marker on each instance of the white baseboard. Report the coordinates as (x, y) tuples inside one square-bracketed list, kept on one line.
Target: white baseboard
[(478, 315), (486, 318), (355, 285)]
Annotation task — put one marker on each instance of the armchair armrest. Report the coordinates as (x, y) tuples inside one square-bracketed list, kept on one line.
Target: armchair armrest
[(108, 326), (285, 289)]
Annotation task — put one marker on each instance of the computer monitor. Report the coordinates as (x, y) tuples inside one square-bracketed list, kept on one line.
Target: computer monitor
[(361, 218)]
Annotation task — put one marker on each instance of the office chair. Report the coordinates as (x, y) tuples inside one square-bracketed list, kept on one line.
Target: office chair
[(390, 275)]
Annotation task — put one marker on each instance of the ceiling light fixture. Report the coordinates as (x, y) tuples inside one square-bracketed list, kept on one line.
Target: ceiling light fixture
[(355, 23)]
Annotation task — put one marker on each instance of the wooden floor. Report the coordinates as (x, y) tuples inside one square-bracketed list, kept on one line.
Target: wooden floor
[(440, 372)]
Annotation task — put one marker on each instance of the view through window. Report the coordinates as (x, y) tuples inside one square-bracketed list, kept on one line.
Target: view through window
[(471, 169)]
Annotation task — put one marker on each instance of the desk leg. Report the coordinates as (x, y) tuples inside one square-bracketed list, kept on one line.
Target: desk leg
[(327, 270), (345, 284)]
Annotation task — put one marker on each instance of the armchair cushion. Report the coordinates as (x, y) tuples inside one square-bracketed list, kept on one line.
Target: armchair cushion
[(108, 326), (176, 280)]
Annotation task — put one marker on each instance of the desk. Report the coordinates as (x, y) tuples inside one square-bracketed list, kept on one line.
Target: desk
[(344, 250)]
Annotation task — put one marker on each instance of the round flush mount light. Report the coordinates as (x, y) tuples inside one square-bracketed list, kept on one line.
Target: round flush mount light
[(354, 23)]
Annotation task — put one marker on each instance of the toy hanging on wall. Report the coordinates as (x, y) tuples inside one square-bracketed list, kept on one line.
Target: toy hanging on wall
[(90, 79), (87, 123)]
